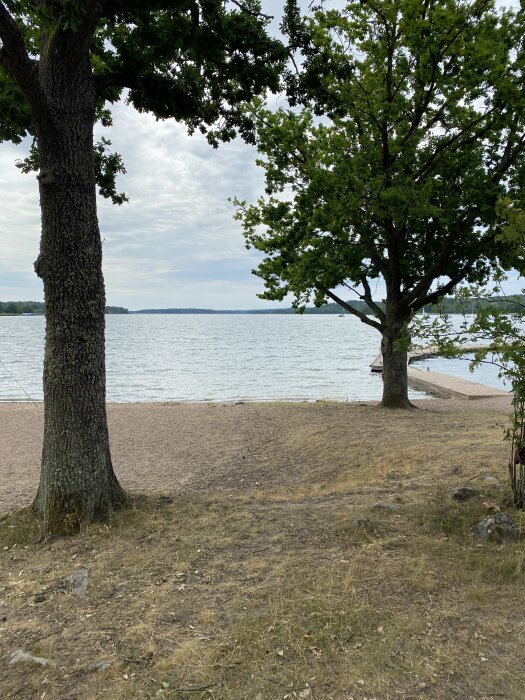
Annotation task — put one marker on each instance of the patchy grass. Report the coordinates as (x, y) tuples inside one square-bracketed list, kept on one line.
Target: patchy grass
[(263, 595)]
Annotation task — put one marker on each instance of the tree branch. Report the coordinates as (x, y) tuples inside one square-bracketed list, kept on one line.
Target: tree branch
[(361, 316), (444, 145), (15, 59), (436, 270), (434, 297), (367, 296), (112, 7), (511, 152), (249, 11), (120, 80)]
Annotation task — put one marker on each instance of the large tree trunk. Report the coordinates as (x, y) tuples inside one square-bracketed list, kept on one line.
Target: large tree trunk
[(77, 482), (395, 375)]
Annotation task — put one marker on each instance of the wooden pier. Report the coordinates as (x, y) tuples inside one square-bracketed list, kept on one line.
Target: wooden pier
[(439, 384)]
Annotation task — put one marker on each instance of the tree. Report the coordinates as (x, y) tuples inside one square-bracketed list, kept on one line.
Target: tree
[(405, 125), (499, 325), (61, 61)]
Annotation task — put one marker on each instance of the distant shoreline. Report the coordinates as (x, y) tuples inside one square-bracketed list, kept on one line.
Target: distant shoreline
[(448, 305)]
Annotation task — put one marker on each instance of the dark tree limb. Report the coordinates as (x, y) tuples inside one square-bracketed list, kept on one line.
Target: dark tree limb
[(510, 153), (15, 59), (446, 144), (120, 80), (422, 287), (113, 7), (351, 310), (440, 292), (367, 297)]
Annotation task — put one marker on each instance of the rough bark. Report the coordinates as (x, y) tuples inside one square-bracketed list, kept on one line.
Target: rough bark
[(395, 375), (77, 482)]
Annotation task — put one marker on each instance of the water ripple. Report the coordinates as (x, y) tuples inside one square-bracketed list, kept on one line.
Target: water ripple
[(217, 357)]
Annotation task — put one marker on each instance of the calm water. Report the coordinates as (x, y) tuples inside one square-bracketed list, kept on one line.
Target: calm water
[(486, 373), (211, 358)]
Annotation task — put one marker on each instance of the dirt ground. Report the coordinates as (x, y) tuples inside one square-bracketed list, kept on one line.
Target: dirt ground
[(181, 447), (307, 550)]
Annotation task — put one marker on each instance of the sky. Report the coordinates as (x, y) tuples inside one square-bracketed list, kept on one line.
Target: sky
[(175, 244)]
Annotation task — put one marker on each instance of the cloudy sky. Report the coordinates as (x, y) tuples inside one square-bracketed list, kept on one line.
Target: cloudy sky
[(175, 243)]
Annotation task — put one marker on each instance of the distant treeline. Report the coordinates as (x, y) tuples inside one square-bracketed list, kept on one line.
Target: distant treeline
[(448, 305), (16, 308), (325, 309)]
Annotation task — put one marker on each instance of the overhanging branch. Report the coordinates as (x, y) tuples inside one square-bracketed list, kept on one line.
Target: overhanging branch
[(367, 297), (437, 269), (440, 292), (348, 307), (120, 80)]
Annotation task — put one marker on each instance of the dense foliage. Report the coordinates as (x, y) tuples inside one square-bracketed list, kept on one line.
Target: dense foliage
[(191, 61), (405, 126)]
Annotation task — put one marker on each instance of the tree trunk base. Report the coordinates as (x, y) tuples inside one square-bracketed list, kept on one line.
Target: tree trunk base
[(397, 403), (64, 514)]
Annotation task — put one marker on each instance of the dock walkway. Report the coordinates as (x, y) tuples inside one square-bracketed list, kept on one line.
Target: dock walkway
[(439, 384)]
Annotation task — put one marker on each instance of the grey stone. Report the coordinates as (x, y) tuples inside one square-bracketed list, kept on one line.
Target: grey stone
[(464, 493), (19, 655), (385, 505), (496, 528), (77, 582), (101, 665), (488, 477)]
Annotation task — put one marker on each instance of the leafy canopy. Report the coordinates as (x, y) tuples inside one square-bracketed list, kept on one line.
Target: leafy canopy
[(191, 60), (406, 123)]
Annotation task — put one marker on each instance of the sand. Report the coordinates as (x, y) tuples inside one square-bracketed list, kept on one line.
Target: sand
[(234, 447)]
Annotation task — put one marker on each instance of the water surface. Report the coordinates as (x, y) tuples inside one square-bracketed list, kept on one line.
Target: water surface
[(211, 358)]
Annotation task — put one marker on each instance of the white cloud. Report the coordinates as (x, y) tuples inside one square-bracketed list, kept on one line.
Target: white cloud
[(178, 221)]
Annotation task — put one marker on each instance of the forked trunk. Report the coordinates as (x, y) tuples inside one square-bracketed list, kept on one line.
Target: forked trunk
[(395, 374), (77, 482)]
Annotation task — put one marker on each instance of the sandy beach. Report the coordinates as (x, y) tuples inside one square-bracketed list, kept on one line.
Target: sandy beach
[(235, 447), (303, 543)]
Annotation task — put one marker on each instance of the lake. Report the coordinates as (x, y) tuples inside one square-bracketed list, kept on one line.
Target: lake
[(219, 357)]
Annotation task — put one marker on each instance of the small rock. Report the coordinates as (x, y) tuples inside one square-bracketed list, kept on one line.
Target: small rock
[(77, 582), (385, 505), (464, 493), (488, 477), (19, 655), (496, 528), (101, 665)]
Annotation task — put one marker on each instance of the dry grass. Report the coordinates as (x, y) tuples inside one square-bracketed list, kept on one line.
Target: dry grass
[(275, 591)]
